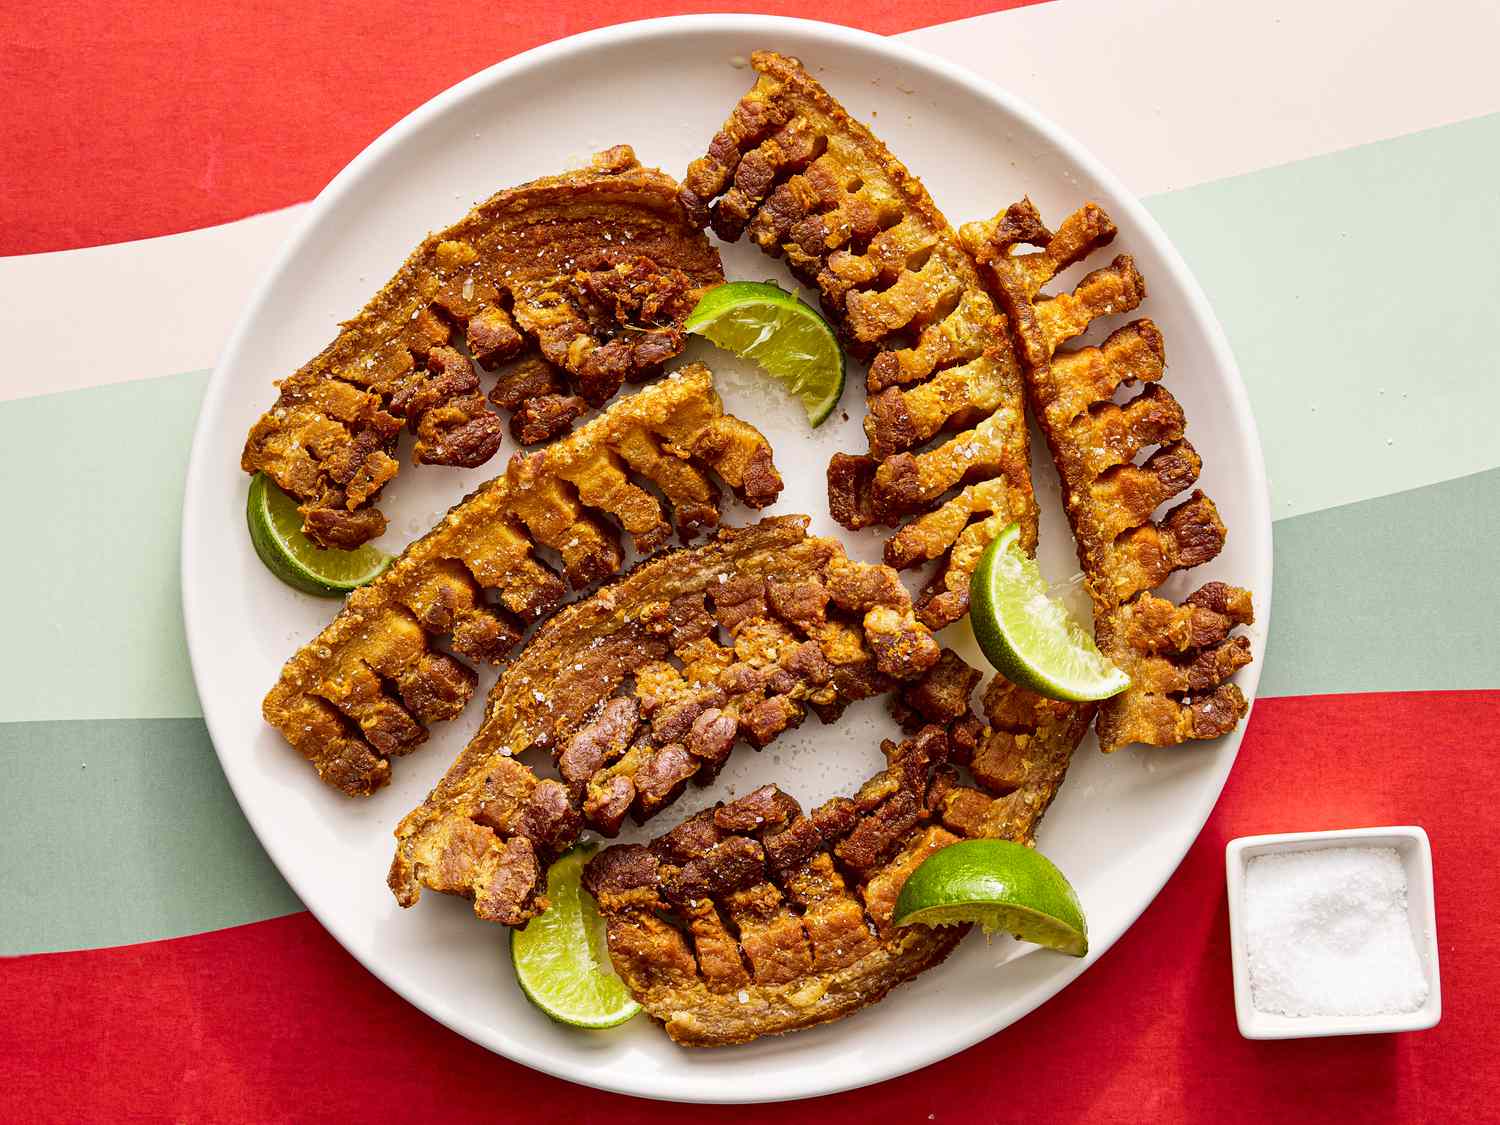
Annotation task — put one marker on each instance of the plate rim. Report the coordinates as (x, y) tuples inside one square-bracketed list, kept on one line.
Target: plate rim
[(559, 51)]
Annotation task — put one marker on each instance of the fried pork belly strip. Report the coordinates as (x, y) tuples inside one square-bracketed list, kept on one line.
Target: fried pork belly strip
[(806, 182), (754, 918), (809, 183), (1179, 657), (647, 685), (576, 282), (1017, 758), (362, 691)]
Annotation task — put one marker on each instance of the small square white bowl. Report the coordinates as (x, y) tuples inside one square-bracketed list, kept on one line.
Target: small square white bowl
[(1412, 845)]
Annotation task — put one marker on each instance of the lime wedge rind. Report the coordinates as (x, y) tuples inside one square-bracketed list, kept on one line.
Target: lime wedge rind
[(1029, 636), (559, 957), (276, 534), (1002, 886), (1024, 924), (781, 334)]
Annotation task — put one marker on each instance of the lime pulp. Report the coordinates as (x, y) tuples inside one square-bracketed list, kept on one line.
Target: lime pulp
[(1003, 886), (560, 960), (783, 335)]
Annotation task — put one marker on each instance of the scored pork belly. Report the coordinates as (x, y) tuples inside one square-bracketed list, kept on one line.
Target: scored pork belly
[(648, 685), (365, 689), (949, 461), (756, 917), (948, 465)]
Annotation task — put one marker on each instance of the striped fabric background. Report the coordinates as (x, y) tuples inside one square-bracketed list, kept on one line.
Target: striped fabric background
[(1329, 172)]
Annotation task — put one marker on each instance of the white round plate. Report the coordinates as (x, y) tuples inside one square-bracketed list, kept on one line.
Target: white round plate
[(1121, 824)]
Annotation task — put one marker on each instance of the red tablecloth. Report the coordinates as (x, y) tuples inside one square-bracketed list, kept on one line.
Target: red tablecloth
[(274, 1021)]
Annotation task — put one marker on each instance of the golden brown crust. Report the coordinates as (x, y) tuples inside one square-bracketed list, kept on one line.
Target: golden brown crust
[(754, 918), (647, 685), (808, 183), (1179, 658), (363, 689), (590, 273)]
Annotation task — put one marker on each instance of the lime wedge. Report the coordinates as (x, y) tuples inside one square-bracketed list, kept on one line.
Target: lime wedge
[(1005, 887), (1030, 638), (560, 958), (276, 532), (785, 336)]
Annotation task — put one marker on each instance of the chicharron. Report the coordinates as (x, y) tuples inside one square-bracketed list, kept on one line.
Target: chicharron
[(568, 285)]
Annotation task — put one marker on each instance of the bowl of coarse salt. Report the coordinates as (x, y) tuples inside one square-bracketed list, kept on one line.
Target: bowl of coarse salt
[(1333, 933)]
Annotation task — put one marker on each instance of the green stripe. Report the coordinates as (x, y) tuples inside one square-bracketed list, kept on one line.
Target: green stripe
[(1328, 302), (1394, 594), (93, 500), (121, 831), (1357, 290), (126, 831)]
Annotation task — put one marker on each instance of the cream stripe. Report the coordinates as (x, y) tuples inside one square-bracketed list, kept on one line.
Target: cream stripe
[(1172, 93), (1169, 93), (133, 310)]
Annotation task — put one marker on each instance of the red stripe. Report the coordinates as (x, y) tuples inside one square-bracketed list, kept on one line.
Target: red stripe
[(158, 116), (273, 1021)]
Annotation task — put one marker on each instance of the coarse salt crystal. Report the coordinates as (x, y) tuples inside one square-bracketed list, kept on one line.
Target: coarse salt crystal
[(1328, 934)]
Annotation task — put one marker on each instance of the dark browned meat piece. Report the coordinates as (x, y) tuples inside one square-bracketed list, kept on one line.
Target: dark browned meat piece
[(529, 377), (599, 742), (943, 694), (647, 685), (362, 690), (445, 409), (1018, 761), (545, 417), (595, 270)]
